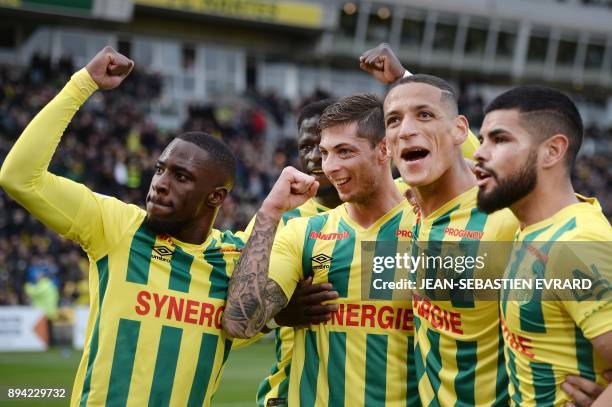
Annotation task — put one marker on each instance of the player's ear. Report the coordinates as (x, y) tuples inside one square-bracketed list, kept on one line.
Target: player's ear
[(553, 150), (216, 197), (388, 148), (461, 130), (383, 150)]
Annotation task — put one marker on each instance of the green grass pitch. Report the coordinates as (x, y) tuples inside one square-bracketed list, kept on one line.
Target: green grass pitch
[(56, 369)]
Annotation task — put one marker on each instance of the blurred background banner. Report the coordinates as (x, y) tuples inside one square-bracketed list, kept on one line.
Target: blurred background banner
[(242, 70), (22, 329), (81, 314), (299, 14)]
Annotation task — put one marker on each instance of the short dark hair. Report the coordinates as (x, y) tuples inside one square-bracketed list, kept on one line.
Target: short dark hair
[(314, 109), (544, 112), (223, 159), (448, 93), (365, 109)]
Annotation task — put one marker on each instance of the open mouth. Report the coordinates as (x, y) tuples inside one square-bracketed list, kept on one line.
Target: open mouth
[(414, 154), (316, 171), (482, 175)]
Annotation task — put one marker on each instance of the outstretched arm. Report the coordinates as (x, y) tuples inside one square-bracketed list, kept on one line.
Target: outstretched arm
[(54, 200), (254, 298)]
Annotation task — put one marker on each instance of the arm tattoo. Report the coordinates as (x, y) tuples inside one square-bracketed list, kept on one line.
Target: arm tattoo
[(253, 298)]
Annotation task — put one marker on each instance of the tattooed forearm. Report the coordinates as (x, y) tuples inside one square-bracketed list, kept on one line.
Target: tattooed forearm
[(253, 298)]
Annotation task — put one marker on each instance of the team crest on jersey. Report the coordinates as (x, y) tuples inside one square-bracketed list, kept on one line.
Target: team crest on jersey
[(166, 238), (322, 261)]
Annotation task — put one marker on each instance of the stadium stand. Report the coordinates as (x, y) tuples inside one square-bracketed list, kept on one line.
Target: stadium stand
[(126, 144)]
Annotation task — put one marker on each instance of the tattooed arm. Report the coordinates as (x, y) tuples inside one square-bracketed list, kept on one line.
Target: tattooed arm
[(254, 298)]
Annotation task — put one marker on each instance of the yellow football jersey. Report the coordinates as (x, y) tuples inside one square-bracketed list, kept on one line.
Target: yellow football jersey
[(364, 355), (547, 338), (154, 332), (308, 208), (470, 145), (401, 185), (273, 389), (459, 348)]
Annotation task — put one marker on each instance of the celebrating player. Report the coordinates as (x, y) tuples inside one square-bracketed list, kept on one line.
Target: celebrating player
[(382, 63), (273, 390), (460, 363), (368, 344), (531, 136), (158, 277), (425, 134)]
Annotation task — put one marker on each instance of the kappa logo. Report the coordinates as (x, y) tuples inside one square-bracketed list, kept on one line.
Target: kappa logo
[(162, 253), (323, 261)]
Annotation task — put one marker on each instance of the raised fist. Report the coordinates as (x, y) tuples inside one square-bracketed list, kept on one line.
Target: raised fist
[(109, 68), (382, 63), (292, 189)]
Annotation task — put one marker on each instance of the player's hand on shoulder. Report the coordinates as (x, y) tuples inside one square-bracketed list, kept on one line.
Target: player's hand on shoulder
[(292, 189), (109, 68), (382, 63)]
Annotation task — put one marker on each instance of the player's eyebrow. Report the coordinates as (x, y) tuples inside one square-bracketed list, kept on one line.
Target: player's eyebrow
[(177, 168), (391, 112), (493, 133), (412, 108), (423, 106), (340, 145)]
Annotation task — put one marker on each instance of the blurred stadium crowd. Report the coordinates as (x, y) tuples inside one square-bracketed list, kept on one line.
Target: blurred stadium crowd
[(112, 145)]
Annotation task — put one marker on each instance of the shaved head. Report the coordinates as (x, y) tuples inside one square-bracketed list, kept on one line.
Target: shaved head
[(448, 96)]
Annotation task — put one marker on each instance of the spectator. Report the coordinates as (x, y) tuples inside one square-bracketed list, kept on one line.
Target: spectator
[(44, 296)]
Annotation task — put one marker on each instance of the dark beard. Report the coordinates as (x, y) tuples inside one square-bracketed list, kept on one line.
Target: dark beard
[(511, 189), (164, 227)]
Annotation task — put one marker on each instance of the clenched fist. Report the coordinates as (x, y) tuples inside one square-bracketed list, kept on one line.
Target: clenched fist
[(382, 63), (109, 68), (292, 189)]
